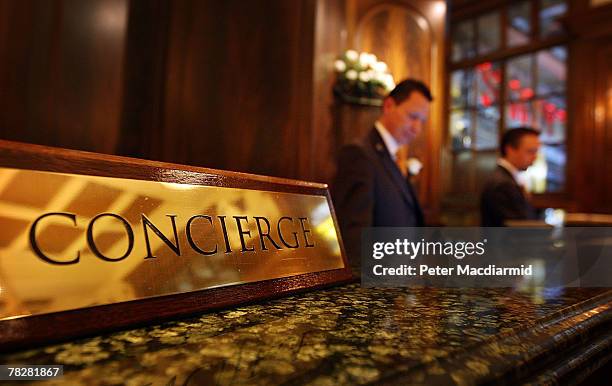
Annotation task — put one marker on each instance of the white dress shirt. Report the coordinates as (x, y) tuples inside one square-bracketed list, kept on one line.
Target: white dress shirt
[(390, 142)]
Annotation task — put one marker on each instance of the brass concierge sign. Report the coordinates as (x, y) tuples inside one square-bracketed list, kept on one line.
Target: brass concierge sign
[(72, 240)]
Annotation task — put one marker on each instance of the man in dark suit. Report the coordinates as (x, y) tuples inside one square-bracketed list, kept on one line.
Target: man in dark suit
[(503, 198), (369, 190)]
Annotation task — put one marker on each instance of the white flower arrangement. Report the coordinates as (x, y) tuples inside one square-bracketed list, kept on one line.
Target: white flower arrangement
[(362, 75)]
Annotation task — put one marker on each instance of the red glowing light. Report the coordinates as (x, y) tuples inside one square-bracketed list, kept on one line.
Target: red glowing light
[(514, 84), (486, 66), (526, 93), (561, 115), (496, 76), (485, 100)]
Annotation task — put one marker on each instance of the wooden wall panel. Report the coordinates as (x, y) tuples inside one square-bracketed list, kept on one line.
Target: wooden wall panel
[(238, 89), (605, 95), (144, 76), (330, 43), (15, 31), (222, 84), (61, 72), (401, 36), (590, 108), (593, 129)]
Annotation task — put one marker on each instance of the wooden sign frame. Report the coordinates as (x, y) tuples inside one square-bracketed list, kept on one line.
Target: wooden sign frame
[(64, 325)]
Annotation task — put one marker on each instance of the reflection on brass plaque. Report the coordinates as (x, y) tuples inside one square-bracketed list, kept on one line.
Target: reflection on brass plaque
[(88, 240)]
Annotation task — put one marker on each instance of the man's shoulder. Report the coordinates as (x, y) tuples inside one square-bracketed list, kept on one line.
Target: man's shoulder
[(362, 147), (354, 155), (498, 179), (354, 147), (500, 175)]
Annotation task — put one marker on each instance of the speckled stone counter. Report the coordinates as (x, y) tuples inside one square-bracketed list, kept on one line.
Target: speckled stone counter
[(353, 335)]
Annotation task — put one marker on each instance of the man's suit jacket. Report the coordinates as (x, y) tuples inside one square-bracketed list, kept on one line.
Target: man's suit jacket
[(503, 199), (370, 191)]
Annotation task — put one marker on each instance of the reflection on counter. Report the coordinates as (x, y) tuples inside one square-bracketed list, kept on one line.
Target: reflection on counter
[(345, 335)]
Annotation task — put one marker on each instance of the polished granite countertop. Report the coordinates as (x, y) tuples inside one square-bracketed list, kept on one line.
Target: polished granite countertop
[(352, 335)]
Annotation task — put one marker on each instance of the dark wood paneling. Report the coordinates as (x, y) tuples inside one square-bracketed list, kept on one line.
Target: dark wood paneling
[(239, 86), (589, 21), (590, 82), (591, 106), (330, 43), (401, 37), (144, 76), (604, 65), (593, 128), (223, 84), (61, 71)]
